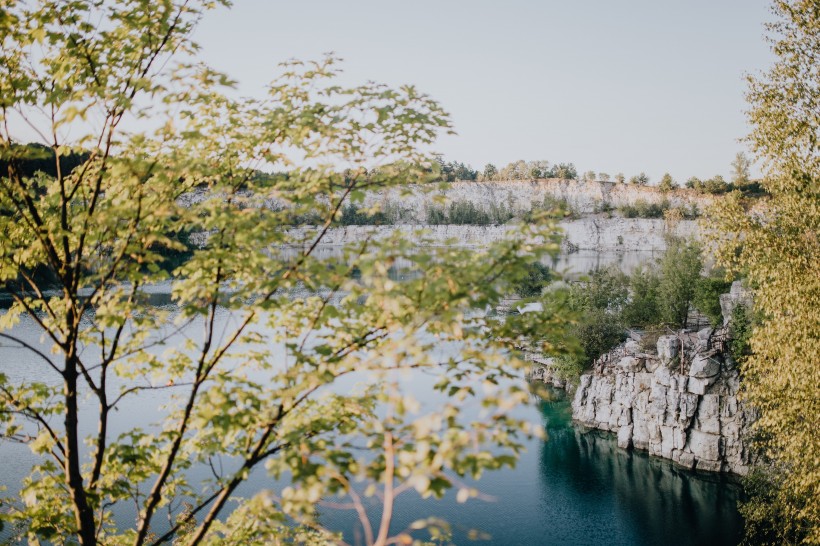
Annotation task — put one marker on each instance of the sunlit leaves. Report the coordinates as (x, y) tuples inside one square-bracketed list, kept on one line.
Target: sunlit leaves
[(254, 358)]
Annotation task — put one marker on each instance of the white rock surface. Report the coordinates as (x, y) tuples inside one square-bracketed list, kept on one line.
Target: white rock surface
[(694, 418)]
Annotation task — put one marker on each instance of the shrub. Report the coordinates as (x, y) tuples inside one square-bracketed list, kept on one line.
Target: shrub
[(641, 209), (642, 309), (467, 213), (607, 289), (553, 207), (598, 332), (707, 297), (680, 269), (436, 215), (538, 276), (740, 324)]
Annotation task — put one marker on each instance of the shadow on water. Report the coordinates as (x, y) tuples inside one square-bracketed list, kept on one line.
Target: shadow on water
[(627, 497), (579, 488)]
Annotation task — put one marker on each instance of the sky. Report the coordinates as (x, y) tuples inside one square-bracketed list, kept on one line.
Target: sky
[(611, 86)]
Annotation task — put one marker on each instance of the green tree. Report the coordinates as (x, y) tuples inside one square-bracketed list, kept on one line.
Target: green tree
[(777, 249), (620, 178), (606, 289), (707, 296), (741, 166), (490, 172), (667, 183), (639, 179), (680, 269), (250, 383), (643, 307), (565, 171)]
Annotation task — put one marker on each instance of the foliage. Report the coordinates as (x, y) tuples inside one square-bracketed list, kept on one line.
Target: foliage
[(777, 249), (606, 289), (667, 183), (714, 185), (245, 358), (598, 332), (388, 213), (741, 325), (641, 209), (34, 157), (707, 296), (680, 269), (741, 166), (552, 207), (468, 213), (568, 367), (766, 516), (643, 307), (538, 276), (598, 300), (453, 170), (529, 170), (639, 179)]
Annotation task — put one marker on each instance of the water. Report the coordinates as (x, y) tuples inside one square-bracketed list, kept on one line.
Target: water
[(577, 487)]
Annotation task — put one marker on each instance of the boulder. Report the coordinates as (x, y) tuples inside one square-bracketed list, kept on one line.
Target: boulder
[(663, 376), (703, 366), (698, 385), (652, 364), (668, 348), (630, 364)]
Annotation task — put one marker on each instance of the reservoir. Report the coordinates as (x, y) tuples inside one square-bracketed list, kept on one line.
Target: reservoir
[(574, 487)]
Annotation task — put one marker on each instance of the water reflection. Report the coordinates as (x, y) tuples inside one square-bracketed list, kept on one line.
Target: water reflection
[(628, 498)]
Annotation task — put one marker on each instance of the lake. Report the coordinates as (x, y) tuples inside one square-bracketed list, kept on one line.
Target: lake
[(575, 487)]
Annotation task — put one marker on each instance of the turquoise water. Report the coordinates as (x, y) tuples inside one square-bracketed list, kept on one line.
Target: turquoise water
[(578, 487)]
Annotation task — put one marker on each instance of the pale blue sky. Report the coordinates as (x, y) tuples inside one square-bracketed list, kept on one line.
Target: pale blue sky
[(613, 86)]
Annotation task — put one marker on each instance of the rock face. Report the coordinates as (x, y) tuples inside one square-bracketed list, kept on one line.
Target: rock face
[(584, 196), (684, 409), (589, 233)]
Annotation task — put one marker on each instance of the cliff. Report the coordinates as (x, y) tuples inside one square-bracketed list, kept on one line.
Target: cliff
[(681, 403), (589, 233), (584, 197), (676, 398)]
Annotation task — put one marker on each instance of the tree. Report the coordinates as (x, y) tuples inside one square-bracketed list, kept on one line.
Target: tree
[(603, 176), (740, 170), (620, 178), (643, 308), (680, 269), (249, 385), (565, 171), (490, 172), (777, 249), (667, 183), (639, 180)]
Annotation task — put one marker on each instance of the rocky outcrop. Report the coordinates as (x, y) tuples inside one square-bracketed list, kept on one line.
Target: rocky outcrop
[(678, 401), (585, 197), (591, 233)]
